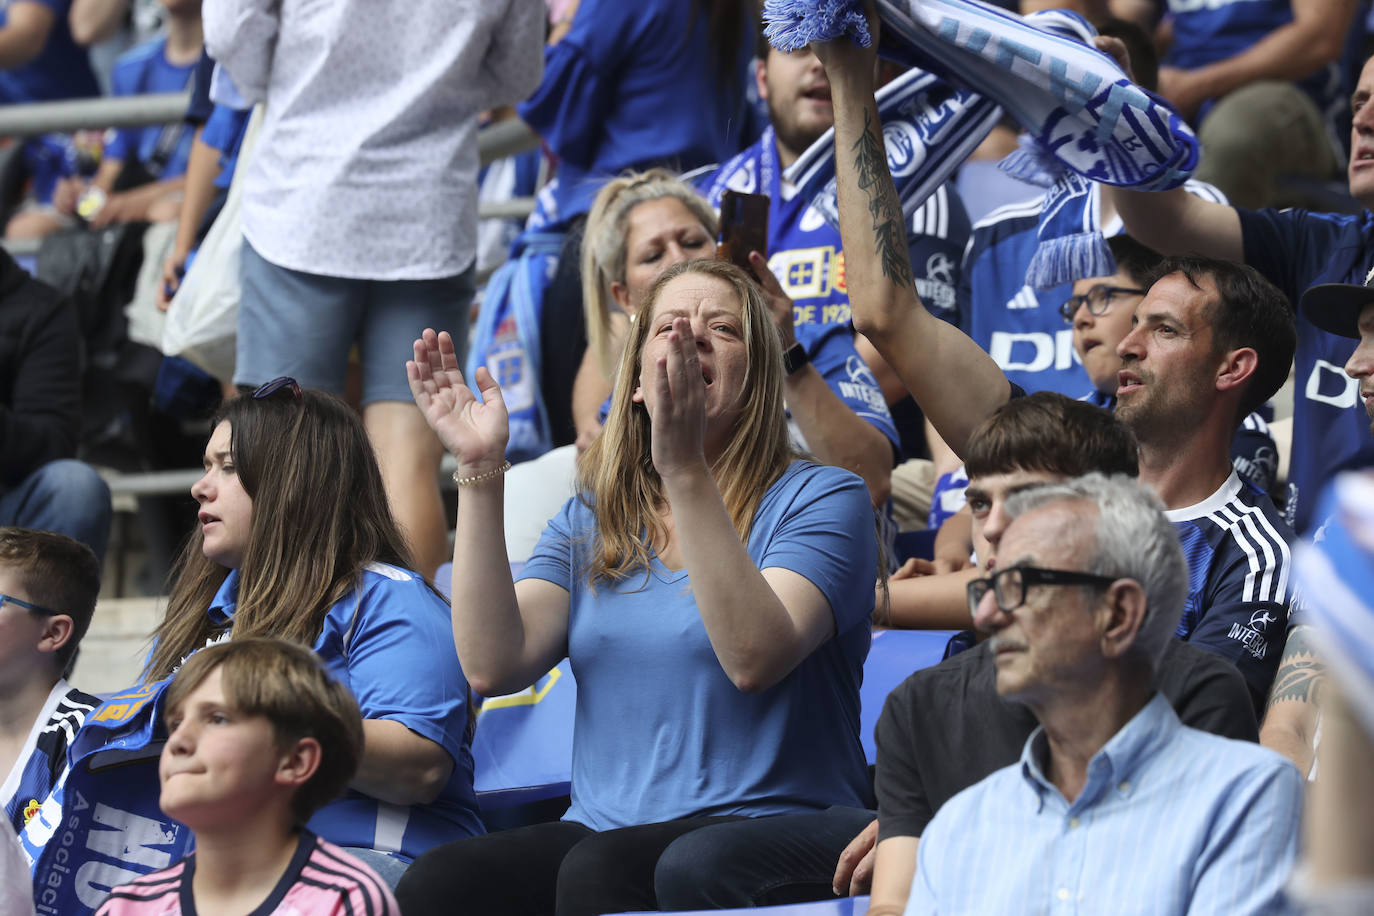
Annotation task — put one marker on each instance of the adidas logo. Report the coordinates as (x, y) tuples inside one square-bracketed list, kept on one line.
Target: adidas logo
[(1024, 299)]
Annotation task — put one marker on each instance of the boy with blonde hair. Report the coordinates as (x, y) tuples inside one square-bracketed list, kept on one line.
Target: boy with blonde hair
[(260, 737)]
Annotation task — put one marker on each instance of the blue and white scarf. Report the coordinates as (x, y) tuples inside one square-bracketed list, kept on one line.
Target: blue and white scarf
[(102, 825), (1084, 116), (505, 339)]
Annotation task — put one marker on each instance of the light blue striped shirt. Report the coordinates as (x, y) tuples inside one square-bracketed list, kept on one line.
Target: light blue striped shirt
[(1171, 820)]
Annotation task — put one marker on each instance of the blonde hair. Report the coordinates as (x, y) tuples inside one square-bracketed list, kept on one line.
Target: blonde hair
[(616, 473), (604, 247)]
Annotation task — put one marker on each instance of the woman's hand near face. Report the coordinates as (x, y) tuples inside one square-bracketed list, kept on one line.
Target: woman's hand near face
[(679, 411), (475, 432)]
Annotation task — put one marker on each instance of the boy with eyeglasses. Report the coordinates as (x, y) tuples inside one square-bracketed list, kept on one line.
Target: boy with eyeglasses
[(48, 588)]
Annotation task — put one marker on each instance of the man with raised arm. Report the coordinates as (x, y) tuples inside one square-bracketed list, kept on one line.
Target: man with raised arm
[(1296, 250), (1211, 342)]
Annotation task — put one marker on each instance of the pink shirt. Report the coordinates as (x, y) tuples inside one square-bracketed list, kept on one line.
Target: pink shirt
[(322, 880)]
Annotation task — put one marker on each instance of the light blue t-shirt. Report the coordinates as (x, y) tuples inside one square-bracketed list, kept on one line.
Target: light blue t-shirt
[(390, 641), (660, 731)]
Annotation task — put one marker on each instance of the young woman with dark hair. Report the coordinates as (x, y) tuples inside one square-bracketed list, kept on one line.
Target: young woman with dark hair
[(296, 541)]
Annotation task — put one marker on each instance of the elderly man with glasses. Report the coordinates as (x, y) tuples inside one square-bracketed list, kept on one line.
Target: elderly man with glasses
[(1114, 805)]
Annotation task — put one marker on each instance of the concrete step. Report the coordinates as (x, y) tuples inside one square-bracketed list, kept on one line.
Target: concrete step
[(114, 648)]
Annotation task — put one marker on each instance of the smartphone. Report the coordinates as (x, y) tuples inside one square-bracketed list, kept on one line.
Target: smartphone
[(743, 228)]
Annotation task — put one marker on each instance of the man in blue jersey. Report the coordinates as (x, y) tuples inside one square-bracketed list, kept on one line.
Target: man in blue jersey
[(806, 257), (1296, 250), (1089, 583), (1259, 74), (48, 587), (1211, 341)]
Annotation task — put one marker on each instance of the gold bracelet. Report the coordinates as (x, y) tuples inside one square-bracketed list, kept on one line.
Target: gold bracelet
[(478, 478)]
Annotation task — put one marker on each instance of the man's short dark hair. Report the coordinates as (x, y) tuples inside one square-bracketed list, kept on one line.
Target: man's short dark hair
[(58, 573), (1249, 311), (1049, 432), (1134, 259)]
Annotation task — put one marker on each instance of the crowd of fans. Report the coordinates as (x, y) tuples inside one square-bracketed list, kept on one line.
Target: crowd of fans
[(1133, 493)]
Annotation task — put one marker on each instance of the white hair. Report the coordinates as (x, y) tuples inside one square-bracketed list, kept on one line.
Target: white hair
[(1134, 540)]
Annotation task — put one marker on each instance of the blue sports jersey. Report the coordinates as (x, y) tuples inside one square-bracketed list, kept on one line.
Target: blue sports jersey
[(630, 86), (1297, 249), (1215, 30), (1020, 327), (806, 255), (43, 759), (390, 641), (1239, 592), (139, 71), (60, 71)]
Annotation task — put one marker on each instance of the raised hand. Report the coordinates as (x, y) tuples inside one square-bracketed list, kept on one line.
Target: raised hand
[(842, 56), (779, 303), (678, 414), (475, 432)]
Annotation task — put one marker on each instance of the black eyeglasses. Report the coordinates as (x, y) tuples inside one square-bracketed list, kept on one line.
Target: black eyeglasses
[(277, 384), (1098, 300), (1008, 586), (28, 606)]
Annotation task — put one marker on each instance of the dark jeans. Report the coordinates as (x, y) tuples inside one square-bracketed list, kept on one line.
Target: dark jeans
[(65, 496), (560, 868)]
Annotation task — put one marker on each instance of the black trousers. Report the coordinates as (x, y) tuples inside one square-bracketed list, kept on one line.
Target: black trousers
[(561, 868)]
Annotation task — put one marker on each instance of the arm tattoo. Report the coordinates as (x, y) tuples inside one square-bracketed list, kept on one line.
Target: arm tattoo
[(1301, 671), (870, 161)]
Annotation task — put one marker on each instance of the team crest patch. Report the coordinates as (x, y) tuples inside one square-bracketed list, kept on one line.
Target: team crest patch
[(31, 809)]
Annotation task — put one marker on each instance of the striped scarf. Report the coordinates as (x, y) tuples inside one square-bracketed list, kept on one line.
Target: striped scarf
[(1087, 121)]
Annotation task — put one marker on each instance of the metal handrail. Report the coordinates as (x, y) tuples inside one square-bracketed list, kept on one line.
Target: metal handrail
[(34, 118), (497, 141)]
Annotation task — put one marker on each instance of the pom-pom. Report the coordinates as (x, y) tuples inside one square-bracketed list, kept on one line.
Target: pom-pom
[(793, 24), (1032, 163), (1069, 258)]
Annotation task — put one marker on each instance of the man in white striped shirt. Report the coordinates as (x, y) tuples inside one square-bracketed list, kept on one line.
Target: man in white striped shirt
[(1108, 810)]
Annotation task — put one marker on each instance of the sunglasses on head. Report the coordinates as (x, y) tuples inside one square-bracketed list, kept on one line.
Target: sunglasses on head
[(285, 383)]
